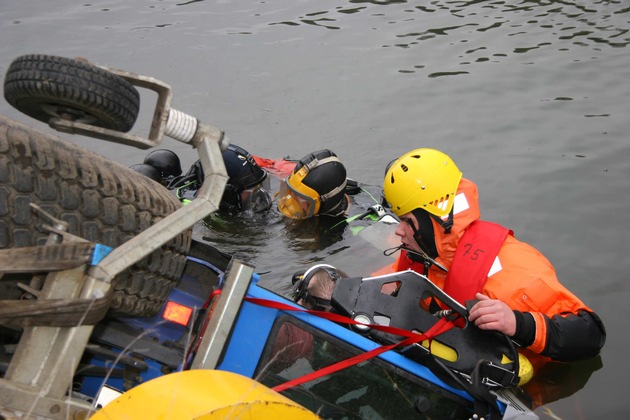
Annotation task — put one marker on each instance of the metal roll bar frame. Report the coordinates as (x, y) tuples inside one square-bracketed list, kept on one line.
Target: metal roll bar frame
[(39, 376)]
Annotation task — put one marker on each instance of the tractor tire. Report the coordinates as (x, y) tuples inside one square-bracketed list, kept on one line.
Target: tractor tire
[(45, 87), (102, 201)]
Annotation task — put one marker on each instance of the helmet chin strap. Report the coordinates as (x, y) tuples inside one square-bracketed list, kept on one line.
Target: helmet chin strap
[(446, 224)]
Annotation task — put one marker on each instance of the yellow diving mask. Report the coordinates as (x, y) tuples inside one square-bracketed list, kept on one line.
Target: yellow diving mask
[(299, 201)]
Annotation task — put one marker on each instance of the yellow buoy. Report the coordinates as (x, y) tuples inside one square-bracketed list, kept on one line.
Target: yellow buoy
[(202, 394)]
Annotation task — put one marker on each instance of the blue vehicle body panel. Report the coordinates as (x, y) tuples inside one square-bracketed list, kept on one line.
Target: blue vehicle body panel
[(154, 328), (249, 337), (92, 384), (247, 341)]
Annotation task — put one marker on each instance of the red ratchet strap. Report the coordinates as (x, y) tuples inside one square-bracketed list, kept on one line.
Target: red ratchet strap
[(214, 293), (441, 326)]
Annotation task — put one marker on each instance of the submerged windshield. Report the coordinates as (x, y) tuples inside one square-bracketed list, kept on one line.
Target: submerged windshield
[(370, 390)]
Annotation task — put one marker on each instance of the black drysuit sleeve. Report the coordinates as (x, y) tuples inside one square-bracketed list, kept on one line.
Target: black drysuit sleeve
[(570, 337)]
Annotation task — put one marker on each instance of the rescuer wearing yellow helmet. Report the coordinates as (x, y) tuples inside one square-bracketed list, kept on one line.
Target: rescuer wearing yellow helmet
[(515, 286)]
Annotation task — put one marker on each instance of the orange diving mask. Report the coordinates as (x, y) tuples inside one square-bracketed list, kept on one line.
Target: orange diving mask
[(299, 201)]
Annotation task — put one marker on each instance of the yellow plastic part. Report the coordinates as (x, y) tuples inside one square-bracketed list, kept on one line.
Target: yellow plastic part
[(525, 370), (441, 350), (202, 394), (525, 367)]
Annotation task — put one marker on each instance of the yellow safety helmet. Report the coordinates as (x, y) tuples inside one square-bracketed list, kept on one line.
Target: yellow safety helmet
[(316, 187), (423, 178)]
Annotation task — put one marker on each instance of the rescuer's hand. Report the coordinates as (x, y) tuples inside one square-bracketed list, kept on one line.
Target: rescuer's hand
[(492, 314)]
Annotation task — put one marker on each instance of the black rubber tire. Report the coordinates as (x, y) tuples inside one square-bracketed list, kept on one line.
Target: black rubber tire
[(44, 86), (102, 201)]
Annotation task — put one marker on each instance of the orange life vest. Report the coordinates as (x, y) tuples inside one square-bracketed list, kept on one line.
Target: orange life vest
[(520, 276)]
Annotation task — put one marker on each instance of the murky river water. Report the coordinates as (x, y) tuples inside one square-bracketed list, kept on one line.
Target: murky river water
[(530, 98)]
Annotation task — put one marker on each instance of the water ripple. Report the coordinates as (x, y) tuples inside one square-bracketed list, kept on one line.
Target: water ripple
[(496, 29)]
